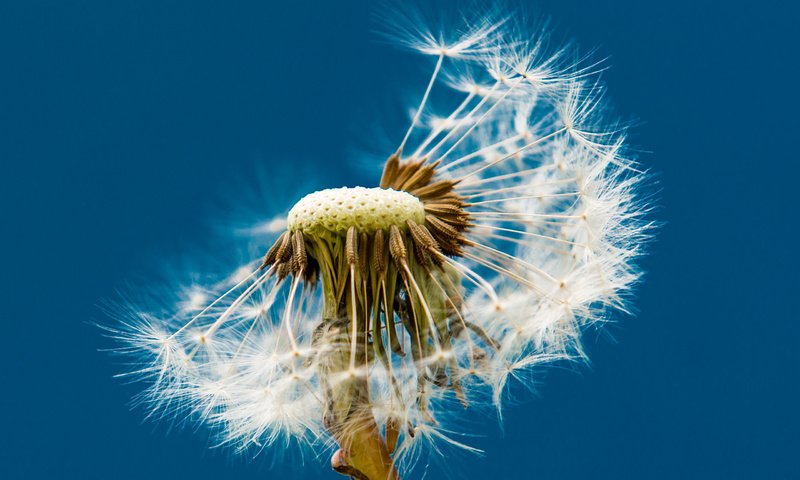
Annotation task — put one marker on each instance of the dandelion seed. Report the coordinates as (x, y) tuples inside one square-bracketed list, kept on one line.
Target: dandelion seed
[(497, 232)]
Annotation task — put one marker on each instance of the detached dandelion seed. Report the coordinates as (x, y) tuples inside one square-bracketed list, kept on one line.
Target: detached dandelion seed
[(499, 229)]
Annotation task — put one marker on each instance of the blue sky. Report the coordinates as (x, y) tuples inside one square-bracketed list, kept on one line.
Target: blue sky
[(128, 131)]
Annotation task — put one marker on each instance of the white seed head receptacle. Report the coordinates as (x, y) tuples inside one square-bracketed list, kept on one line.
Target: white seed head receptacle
[(335, 210)]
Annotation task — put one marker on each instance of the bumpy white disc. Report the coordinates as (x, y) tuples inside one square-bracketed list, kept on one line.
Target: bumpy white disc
[(335, 210)]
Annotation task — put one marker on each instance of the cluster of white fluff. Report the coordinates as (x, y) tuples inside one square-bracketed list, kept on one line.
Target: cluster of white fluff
[(556, 226)]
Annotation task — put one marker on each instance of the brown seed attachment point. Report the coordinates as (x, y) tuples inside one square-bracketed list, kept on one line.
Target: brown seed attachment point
[(397, 247), (299, 257), (390, 169), (378, 254), (425, 245), (351, 246)]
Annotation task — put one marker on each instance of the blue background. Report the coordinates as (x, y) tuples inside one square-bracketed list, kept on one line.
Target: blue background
[(127, 130)]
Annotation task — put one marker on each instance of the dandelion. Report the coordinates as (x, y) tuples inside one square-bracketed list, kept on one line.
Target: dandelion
[(500, 228)]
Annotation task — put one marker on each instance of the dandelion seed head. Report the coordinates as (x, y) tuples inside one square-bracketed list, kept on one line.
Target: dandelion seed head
[(501, 228)]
